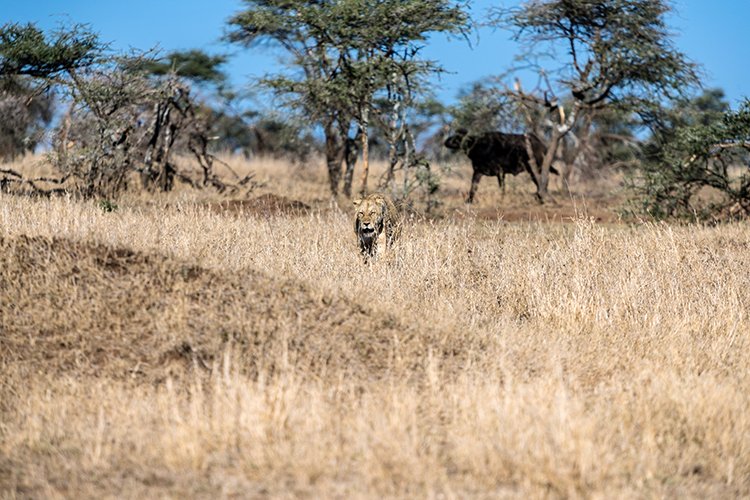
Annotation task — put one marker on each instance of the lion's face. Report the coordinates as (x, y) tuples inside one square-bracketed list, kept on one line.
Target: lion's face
[(370, 217)]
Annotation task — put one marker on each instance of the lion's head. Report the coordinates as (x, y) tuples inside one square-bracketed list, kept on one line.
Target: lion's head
[(370, 218)]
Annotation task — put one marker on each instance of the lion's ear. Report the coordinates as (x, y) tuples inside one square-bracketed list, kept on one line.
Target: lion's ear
[(357, 201)]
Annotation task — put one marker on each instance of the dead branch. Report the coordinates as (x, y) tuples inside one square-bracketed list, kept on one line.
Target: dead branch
[(730, 145), (9, 171), (17, 178)]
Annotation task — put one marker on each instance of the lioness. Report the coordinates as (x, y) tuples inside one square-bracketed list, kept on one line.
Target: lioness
[(377, 219)]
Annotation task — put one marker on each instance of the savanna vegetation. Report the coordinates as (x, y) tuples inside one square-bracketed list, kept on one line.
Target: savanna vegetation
[(184, 310)]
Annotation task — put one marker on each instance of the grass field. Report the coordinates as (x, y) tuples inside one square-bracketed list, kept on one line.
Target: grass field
[(192, 346)]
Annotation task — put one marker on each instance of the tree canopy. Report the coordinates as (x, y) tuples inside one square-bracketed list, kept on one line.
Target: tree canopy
[(617, 50), (194, 64), (27, 50)]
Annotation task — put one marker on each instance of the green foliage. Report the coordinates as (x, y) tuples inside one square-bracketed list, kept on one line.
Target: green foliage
[(107, 206), (427, 181), (195, 65), (482, 108), (124, 117), (603, 139), (620, 50), (705, 109), (27, 50), (700, 168), (282, 138), (346, 50), (99, 143), (232, 131)]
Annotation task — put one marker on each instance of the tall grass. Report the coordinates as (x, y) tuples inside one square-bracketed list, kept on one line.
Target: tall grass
[(524, 359)]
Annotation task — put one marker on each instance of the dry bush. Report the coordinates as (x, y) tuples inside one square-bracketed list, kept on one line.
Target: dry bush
[(169, 348)]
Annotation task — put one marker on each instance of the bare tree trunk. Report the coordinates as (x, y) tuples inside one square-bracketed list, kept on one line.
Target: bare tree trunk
[(364, 125), (561, 163), (392, 162), (334, 153), (535, 169), (540, 172), (148, 174), (406, 162), (64, 145), (393, 135), (542, 194), (351, 151), (165, 179)]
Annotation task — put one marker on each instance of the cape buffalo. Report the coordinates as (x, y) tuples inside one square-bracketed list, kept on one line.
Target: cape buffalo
[(496, 154)]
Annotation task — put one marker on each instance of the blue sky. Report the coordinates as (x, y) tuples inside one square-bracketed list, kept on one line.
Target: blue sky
[(711, 33)]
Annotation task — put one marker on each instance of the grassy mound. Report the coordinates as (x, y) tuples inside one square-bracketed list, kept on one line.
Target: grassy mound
[(92, 309)]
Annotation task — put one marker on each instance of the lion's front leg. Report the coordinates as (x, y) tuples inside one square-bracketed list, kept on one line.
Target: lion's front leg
[(368, 247)]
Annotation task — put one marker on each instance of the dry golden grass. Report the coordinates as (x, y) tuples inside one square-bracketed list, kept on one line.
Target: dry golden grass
[(171, 349)]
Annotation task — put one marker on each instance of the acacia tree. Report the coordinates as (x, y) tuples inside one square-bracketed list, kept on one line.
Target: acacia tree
[(617, 53), (345, 52), (301, 29), (381, 43)]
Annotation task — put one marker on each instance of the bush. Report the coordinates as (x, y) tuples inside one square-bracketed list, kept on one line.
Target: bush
[(699, 170)]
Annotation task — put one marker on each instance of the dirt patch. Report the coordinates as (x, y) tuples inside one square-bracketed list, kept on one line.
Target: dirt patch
[(91, 309), (605, 211), (264, 205)]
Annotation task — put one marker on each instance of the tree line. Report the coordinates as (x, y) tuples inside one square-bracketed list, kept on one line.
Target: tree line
[(612, 91)]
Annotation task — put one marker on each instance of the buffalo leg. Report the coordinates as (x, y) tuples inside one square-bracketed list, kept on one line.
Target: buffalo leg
[(474, 183), (533, 177), (501, 181)]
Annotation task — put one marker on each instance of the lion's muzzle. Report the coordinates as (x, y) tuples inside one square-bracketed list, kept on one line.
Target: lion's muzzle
[(367, 231)]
